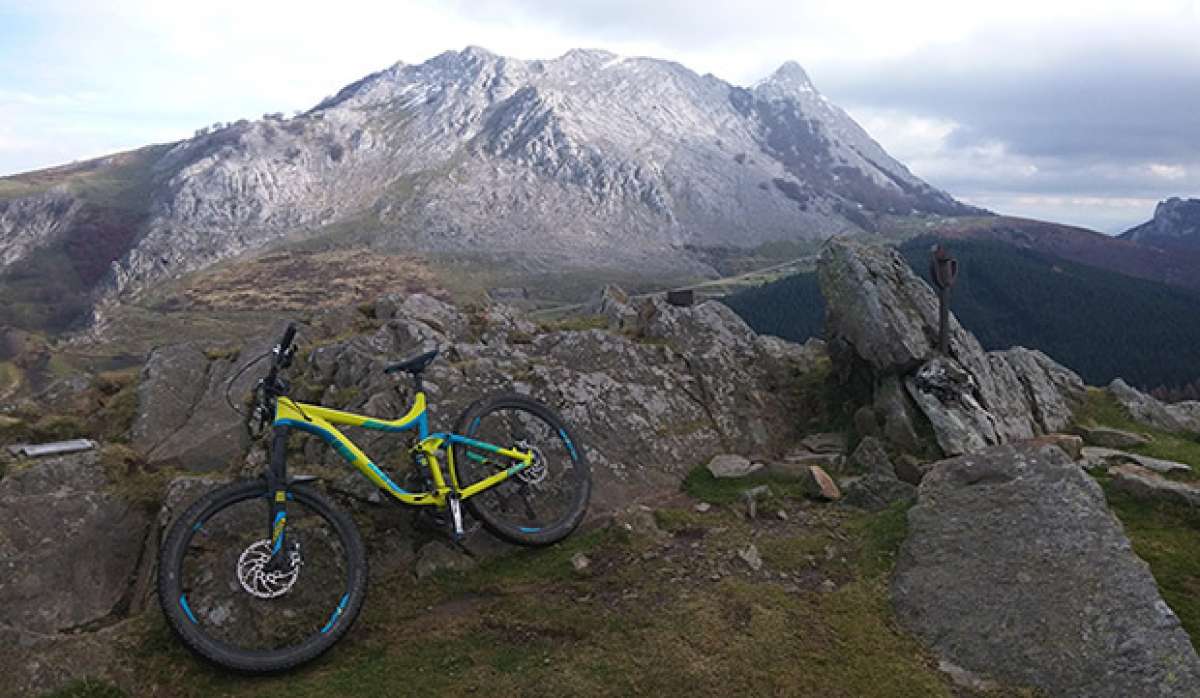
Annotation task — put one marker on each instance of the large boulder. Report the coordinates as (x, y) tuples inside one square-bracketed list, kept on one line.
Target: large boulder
[(1014, 568), (1143, 483), (72, 566), (68, 548), (882, 323), (182, 417), (875, 306)]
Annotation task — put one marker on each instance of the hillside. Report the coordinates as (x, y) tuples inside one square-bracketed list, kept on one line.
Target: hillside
[(1174, 267), (687, 579), (1100, 323), (586, 162)]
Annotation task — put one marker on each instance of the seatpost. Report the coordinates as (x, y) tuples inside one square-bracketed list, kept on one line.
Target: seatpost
[(418, 385)]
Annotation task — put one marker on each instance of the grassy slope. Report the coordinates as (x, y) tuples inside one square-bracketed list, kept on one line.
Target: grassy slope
[(1165, 535), (678, 614)]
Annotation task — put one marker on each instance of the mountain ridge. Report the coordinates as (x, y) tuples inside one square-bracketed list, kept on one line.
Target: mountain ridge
[(1175, 226), (589, 159)]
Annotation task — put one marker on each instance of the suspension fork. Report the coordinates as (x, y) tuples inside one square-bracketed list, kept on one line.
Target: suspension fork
[(277, 492)]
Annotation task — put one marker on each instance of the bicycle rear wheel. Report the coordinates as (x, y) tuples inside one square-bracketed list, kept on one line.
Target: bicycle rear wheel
[(227, 607), (541, 504)]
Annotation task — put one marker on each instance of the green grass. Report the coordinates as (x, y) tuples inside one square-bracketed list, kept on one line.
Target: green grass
[(87, 688), (1164, 534), (1100, 408), (575, 323), (633, 624), (701, 485), (1167, 537)]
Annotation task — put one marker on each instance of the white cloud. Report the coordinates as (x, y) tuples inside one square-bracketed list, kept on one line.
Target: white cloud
[(1171, 172), (99, 77)]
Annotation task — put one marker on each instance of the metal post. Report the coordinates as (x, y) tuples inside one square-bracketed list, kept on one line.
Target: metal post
[(944, 270)]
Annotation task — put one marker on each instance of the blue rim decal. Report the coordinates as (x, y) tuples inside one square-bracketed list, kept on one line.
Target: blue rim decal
[(277, 530), (186, 609), (570, 446), (337, 613), (527, 529)]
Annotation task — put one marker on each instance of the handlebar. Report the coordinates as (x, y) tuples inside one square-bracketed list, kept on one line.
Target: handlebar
[(288, 335), (272, 386), (281, 356)]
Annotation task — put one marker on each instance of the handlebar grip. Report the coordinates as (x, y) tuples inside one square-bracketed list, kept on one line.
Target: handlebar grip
[(288, 335)]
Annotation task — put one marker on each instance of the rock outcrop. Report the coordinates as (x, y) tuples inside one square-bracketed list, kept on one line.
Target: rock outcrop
[(1015, 569), (1180, 416), (182, 417), (879, 486), (1144, 483), (71, 567), (1175, 226), (674, 387), (881, 324)]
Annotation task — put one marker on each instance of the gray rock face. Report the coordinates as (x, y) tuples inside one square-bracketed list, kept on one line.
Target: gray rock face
[(68, 549), (1108, 437), (1181, 416), (1017, 543), (1097, 456), (881, 321), (649, 403), (182, 417), (879, 486), (586, 160), (28, 223), (730, 465), (1176, 224), (612, 303), (1144, 483)]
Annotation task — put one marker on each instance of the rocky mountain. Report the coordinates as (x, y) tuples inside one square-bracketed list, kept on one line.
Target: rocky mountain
[(1176, 225), (588, 160)]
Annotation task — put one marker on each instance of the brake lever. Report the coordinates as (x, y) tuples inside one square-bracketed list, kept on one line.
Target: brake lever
[(285, 360), (256, 417)]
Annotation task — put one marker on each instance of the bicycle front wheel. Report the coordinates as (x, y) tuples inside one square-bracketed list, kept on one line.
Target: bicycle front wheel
[(541, 504), (227, 605)]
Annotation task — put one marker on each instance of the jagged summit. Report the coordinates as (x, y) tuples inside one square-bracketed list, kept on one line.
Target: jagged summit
[(586, 160), (588, 55), (1176, 224), (789, 76)]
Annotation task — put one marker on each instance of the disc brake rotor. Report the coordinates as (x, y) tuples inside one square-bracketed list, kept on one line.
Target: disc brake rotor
[(256, 580), (536, 472)]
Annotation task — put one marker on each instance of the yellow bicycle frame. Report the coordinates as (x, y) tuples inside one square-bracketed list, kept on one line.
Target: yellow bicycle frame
[(320, 421)]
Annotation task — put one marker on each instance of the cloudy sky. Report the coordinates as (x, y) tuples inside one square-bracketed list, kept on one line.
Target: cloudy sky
[(1080, 112)]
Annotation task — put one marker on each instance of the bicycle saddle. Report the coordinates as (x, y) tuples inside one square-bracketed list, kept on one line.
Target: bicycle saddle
[(414, 365)]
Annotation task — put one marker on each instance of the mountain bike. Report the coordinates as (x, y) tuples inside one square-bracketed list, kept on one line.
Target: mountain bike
[(263, 575)]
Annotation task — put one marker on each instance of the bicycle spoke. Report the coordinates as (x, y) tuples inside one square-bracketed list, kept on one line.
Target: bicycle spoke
[(237, 600), (529, 512), (550, 488)]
